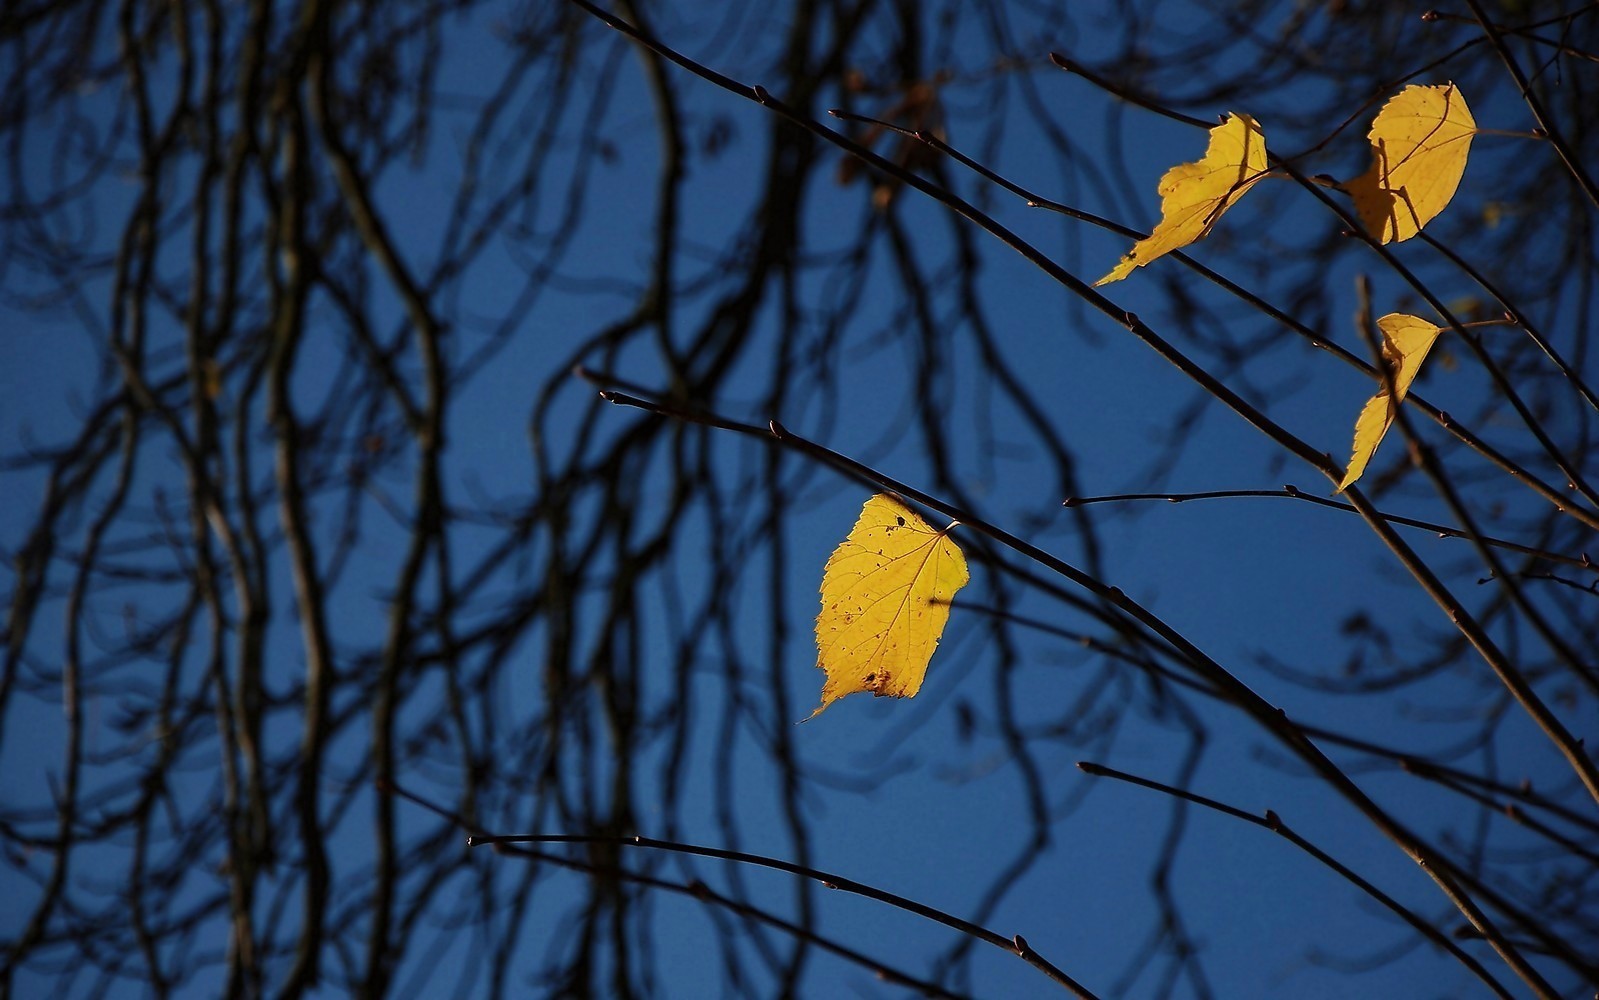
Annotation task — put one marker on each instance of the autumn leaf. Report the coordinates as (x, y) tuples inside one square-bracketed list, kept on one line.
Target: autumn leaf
[(1419, 143), (885, 599), (1194, 195), (1405, 343)]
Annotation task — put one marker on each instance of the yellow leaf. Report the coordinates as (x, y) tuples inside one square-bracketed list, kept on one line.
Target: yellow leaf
[(885, 599), (1419, 143), (1405, 343), (1194, 195)]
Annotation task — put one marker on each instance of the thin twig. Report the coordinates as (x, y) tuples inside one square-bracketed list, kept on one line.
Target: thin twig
[(1291, 492), (1550, 127), (1271, 821), (1015, 945), (506, 844)]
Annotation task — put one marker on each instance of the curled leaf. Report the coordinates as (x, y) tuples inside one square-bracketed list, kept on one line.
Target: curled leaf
[(885, 600), (1405, 343), (1419, 144), (1194, 195)]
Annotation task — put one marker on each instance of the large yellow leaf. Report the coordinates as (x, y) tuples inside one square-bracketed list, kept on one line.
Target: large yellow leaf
[(1419, 143), (1194, 195), (1405, 343), (885, 599)]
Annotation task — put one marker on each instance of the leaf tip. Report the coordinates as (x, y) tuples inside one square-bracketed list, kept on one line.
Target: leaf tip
[(1120, 271)]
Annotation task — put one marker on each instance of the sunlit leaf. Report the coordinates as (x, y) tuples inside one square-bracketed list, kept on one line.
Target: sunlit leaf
[(1405, 343), (1194, 195), (1419, 144), (885, 599)]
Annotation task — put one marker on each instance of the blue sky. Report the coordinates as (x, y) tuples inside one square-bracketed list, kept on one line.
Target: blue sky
[(946, 810)]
